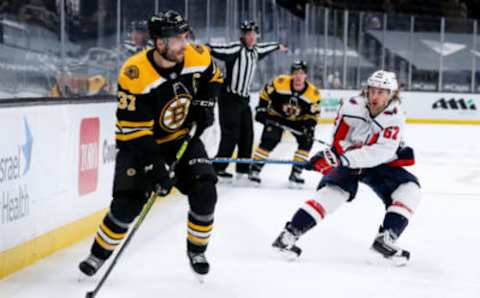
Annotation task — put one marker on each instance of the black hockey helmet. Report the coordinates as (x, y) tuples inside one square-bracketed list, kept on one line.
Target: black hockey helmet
[(299, 64), (249, 25), (167, 24)]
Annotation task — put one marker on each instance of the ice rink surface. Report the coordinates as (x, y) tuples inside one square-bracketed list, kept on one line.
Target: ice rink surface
[(442, 237)]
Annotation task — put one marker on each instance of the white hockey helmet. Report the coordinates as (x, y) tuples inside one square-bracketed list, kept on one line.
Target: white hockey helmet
[(383, 80)]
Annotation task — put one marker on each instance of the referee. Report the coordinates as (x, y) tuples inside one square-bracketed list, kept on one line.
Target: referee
[(235, 115)]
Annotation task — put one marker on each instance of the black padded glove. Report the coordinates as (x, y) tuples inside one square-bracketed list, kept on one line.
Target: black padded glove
[(203, 114), (160, 177), (261, 114), (309, 128), (309, 131)]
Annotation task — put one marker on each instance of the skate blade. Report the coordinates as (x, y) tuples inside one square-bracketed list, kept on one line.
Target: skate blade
[(225, 181), (83, 278), (199, 277), (375, 258), (245, 183), (286, 254), (293, 185), (254, 184)]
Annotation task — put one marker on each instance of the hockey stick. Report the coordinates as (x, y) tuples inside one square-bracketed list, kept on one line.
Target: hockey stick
[(143, 214), (295, 132), (260, 161), (247, 161)]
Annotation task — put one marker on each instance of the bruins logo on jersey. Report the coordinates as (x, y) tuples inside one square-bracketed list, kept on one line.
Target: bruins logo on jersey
[(132, 72), (291, 110), (175, 112)]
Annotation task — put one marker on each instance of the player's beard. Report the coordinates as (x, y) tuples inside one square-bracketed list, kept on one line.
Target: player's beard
[(173, 56)]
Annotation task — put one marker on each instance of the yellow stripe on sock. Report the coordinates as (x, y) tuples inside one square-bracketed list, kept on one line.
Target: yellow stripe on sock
[(103, 243), (262, 151), (200, 228), (297, 158), (113, 235), (198, 241)]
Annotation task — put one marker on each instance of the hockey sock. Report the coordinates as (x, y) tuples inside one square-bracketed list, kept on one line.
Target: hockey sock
[(307, 216), (199, 230), (259, 154), (110, 234), (300, 155), (395, 223)]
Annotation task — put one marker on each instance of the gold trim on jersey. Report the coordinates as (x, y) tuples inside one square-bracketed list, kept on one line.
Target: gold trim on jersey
[(264, 95), (133, 135), (138, 75), (129, 130), (281, 84), (172, 136), (187, 70), (197, 58), (153, 85), (146, 77), (123, 123), (311, 95)]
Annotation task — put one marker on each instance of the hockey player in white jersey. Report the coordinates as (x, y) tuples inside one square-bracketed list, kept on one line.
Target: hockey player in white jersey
[(368, 148)]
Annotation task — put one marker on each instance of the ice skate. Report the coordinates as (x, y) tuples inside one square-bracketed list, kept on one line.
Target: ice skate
[(199, 265), (241, 180), (384, 247), (295, 180), (254, 177), (285, 244), (90, 265), (224, 177)]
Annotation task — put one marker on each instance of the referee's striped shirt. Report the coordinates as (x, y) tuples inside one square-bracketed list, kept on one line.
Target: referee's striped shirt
[(241, 63)]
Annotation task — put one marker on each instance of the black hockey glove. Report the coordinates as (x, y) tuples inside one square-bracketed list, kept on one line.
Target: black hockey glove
[(261, 114), (309, 131), (203, 114), (309, 128), (160, 177)]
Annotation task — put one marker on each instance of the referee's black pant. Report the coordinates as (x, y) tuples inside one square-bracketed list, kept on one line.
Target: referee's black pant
[(237, 129)]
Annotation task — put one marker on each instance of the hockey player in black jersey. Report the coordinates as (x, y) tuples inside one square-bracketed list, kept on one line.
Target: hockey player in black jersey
[(291, 101), (161, 93)]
